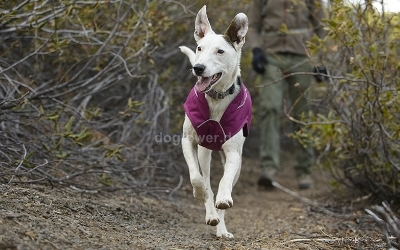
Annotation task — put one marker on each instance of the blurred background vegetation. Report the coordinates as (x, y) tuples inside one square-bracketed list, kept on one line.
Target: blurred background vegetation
[(87, 86), (355, 126), (91, 92)]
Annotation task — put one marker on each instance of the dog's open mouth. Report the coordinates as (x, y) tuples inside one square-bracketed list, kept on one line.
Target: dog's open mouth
[(204, 84)]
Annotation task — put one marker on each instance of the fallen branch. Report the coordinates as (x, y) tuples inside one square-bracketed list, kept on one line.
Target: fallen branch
[(388, 223), (307, 201), (288, 191)]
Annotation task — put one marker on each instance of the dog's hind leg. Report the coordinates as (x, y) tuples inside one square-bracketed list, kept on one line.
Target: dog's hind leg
[(205, 160), (222, 232)]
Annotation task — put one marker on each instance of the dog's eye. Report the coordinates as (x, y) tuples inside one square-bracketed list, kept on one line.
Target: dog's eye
[(220, 51), (198, 48)]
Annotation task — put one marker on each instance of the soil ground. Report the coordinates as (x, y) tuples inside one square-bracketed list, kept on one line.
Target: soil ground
[(39, 217)]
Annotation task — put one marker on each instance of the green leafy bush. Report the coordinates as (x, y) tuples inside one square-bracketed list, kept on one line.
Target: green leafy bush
[(356, 128)]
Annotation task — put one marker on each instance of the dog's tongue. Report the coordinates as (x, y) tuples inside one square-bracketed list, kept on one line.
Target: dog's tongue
[(202, 83)]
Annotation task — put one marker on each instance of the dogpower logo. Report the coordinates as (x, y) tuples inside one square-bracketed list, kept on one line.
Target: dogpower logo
[(177, 138)]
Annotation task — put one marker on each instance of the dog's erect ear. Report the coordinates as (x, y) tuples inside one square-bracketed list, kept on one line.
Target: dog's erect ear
[(237, 30), (202, 25)]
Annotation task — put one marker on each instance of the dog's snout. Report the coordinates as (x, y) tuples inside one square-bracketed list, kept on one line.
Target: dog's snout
[(199, 69)]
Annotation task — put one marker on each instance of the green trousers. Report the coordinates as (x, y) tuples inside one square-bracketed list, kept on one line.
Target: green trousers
[(276, 79)]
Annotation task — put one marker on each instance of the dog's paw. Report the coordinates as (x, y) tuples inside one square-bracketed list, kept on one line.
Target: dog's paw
[(225, 235), (223, 199), (199, 190), (224, 204), (212, 221)]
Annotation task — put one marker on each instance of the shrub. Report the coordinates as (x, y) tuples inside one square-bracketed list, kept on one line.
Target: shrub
[(74, 102), (86, 86), (356, 128)]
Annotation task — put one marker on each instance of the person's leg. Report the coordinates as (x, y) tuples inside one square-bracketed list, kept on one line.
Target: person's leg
[(269, 109), (298, 88)]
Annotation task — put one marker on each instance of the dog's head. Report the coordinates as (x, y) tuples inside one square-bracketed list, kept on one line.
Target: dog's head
[(217, 61)]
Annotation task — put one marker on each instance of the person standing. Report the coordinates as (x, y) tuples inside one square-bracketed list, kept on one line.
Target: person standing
[(278, 33)]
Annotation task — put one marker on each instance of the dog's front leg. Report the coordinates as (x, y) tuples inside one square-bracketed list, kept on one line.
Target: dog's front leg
[(228, 180), (233, 153), (224, 196), (189, 148), (212, 218)]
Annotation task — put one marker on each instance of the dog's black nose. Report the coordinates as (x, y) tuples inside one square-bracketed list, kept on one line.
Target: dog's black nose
[(199, 69)]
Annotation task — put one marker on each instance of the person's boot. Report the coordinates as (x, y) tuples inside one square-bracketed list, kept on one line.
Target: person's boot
[(305, 181), (266, 178)]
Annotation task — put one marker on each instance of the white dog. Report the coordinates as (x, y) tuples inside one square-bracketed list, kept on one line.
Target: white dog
[(218, 114)]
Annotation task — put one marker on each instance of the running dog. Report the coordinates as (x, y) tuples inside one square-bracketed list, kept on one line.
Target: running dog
[(217, 114)]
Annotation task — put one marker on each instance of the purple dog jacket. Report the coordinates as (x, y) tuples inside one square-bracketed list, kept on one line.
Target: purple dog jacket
[(213, 134)]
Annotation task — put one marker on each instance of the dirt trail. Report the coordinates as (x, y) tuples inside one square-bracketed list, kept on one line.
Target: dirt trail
[(43, 218)]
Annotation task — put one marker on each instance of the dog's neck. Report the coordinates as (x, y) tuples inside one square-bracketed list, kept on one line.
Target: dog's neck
[(221, 95), (218, 106)]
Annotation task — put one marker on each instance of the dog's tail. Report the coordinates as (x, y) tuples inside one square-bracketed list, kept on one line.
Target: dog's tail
[(190, 54)]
